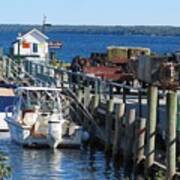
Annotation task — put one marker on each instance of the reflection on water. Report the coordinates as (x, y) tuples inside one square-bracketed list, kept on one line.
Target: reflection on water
[(41, 164)]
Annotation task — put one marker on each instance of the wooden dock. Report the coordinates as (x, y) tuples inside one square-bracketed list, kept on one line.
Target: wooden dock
[(141, 124)]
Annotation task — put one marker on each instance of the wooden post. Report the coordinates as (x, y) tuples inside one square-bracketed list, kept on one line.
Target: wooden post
[(87, 96), (140, 140), (171, 134), (140, 103), (8, 68), (95, 98), (22, 70), (70, 81), (83, 85), (151, 126), (96, 86), (33, 68), (124, 95), (178, 126), (120, 109), (99, 89), (4, 66), (108, 125), (158, 109), (95, 102), (36, 69), (30, 67), (77, 81), (62, 79), (129, 135), (80, 95), (40, 68), (79, 112)]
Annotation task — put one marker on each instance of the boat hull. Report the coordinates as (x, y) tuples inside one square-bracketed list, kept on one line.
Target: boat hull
[(3, 124), (22, 135), (57, 137), (18, 133)]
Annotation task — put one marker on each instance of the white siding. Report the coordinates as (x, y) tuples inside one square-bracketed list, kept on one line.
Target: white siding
[(32, 38)]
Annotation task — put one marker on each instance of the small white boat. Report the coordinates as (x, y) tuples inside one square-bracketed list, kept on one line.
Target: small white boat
[(37, 119), (6, 99)]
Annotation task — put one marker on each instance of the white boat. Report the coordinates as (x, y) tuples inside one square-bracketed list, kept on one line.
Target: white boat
[(37, 119), (6, 99)]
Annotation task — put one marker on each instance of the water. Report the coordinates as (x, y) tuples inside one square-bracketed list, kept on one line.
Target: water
[(46, 164), (31, 164), (83, 44)]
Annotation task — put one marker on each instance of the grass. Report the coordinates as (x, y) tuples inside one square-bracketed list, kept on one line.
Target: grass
[(5, 171)]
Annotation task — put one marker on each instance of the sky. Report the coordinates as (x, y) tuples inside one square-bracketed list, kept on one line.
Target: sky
[(91, 12)]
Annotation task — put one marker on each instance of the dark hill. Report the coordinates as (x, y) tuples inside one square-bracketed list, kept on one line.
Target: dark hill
[(125, 30)]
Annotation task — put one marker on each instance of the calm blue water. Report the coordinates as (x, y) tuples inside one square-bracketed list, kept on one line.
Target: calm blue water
[(83, 44), (45, 164), (69, 164)]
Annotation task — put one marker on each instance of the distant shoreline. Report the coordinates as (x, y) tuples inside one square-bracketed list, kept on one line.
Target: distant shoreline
[(121, 30)]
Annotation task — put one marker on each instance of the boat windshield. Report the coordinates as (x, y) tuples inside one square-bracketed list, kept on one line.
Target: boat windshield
[(46, 101)]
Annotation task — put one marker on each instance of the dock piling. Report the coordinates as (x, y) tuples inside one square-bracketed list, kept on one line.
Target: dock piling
[(95, 103), (178, 127), (108, 125), (129, 135), (151, 127), (120, 109), (62, 80), (87, 97), (9, 68), (140, 103), (140, 140), (171, 134)]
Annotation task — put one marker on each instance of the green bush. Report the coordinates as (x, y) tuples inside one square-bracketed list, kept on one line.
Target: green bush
[(5, 171)]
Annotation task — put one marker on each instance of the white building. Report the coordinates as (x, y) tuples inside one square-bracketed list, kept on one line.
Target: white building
[(33, 44)]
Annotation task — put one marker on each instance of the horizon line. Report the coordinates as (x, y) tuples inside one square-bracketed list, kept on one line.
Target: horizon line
[(101, 25)]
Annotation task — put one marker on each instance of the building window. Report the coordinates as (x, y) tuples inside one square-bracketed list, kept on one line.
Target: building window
[(35, 47)]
